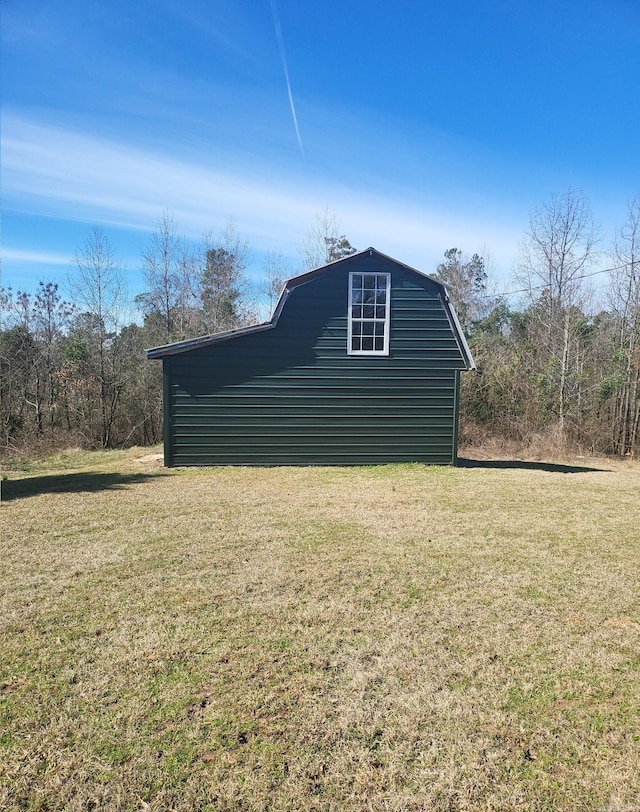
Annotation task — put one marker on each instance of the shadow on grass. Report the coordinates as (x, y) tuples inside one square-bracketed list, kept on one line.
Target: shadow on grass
[(551, 467), (84, 482)]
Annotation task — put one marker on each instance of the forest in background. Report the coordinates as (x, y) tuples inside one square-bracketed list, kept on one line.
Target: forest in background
[(559, 372)]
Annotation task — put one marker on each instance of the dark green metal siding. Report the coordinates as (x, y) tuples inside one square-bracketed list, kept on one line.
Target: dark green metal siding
[(292, 396)]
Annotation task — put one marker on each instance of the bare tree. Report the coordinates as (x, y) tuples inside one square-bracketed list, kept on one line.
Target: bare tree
[(324, 243), (169, 271), (625, 301), (466, 281), (98, 291), (223, 283), (558, 250), (276, 269), (18, 360), (50, 319)]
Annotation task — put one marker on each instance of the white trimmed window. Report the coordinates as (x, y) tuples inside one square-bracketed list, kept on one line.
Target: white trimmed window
[(368, 332)]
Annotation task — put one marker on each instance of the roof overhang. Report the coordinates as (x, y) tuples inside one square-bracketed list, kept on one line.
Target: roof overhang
[(203, 341)]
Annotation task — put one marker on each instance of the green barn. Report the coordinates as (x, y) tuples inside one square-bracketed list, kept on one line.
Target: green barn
[(360, 364)]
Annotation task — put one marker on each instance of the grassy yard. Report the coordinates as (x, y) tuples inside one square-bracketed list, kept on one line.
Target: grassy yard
[(392, 638)]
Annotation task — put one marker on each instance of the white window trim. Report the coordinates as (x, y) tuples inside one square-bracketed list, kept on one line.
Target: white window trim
[(386, 321)]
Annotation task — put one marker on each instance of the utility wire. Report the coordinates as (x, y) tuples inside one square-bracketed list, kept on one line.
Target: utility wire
[(542, 287)]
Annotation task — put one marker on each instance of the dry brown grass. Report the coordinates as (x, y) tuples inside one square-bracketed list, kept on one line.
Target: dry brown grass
[(395, 638)]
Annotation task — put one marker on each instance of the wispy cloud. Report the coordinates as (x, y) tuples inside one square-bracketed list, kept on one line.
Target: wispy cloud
[(88, 178), (283, 57), (67, 174), (19, 255)]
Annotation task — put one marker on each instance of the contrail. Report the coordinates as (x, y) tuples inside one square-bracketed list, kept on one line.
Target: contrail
[(276, 22)]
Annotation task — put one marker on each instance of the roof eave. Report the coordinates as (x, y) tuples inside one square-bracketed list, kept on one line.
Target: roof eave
[(203, 341)]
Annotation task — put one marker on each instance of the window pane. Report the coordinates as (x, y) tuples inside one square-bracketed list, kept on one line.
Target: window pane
[(369, 313)]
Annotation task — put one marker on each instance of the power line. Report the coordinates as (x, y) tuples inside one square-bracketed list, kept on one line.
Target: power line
[(543, 287)]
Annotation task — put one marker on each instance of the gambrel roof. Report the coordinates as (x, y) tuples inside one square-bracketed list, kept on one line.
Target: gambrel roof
[(302, 279)]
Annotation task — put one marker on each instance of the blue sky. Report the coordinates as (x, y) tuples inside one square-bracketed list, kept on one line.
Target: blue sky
[(424, 125)]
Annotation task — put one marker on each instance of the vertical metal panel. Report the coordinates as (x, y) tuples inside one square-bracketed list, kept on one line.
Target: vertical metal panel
[(294, 396)]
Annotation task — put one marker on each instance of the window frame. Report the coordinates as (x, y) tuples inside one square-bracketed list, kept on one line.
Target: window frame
[(386, 321)]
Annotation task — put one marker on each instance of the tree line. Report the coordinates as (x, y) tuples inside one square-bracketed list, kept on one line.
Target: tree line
[(73, 369), (561, 369)]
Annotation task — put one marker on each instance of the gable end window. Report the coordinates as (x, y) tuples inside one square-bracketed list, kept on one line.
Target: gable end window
[(368, 330)]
